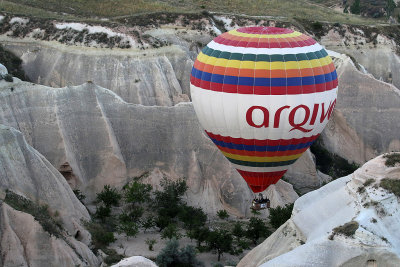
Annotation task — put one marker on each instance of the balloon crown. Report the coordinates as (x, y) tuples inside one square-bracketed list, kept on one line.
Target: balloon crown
[(264, 30)]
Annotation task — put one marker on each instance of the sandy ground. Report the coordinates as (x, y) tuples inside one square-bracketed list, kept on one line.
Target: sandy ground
[(137, 247)]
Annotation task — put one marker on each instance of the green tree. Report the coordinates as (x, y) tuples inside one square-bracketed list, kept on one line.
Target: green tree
[(238, 230), (148, 223), (390, 6), (109, 196), (192, 217), (355, 7), (127, 226), (219, 241), (200, 234), (136, 192), (171, 231), (173, 256), (256, 229), (223, 214), (102, 212), (279, 215)]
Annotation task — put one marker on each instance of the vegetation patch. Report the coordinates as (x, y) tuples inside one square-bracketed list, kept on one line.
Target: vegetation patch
[(330, 163), (391, 185), (279, 215), (392, 159), (13, 65), (39, 212), (347, 229)]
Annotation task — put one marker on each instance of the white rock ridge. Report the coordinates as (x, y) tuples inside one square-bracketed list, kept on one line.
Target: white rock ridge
[(306, 238)]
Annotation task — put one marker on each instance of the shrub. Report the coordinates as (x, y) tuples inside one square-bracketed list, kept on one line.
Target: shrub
[(238, 230), (129, 228), (112, 256), (391, 185), (192, 217), (279, 215), (102, 212), (109, 196), (172, 256), (330, 163), (171, 231), (223, 214), (355, 7), (148, 223), (256, 230), (39, 212), (219, 241), (369, 182), (151, 243), (392, 159), (168, 202), (347, 229), (101, 238), (137, 192), (8, 78), (200, 234), (79, 195)]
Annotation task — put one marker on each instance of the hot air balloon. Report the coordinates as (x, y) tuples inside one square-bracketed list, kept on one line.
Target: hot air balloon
[(263, 96)]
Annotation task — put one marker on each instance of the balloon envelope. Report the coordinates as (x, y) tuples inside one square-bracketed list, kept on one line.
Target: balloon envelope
[(263, 95)]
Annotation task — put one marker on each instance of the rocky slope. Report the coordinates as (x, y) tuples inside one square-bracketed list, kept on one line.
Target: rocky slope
[(366, 120), (97, 139), (307, 238), (23, 240)]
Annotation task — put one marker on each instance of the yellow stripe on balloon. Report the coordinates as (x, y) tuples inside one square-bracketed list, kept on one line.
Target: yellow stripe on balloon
[(287, 35), (261, 159), (277, 65)]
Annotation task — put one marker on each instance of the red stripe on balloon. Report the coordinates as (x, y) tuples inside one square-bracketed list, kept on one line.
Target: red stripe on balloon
[(264, 90), (267, 142), (259, 181), (283, 44), (262, 153)]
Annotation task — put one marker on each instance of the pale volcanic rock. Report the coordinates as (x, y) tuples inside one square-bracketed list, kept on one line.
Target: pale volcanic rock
[(149, 77), (366, 121), (304, 240), (105, 140), (23, 241), (135, 261)]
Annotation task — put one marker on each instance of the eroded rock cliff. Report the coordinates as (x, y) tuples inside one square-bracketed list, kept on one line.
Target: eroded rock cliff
[(23, 241), (316, 232)]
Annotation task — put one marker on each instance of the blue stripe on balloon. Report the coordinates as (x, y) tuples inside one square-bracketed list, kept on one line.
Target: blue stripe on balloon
[(251, 81), (261, 148)]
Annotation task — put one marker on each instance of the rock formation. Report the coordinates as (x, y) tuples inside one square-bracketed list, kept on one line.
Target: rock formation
[(135, 261), (366, 120), (308, 238), (105, 140), (23, 241)]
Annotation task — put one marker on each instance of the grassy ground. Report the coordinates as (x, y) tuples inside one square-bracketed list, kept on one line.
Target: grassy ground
[(303, 9)]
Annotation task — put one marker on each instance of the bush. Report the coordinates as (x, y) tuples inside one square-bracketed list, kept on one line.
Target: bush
[(330, 163), (102, 212), (171, 231), (79, 195), (391, 185), (39, 212), (168, 202), (256, 230), (219, 241), (151, 243), (192, 217), (112, 256), (355, 7), (238, 230), (347, 229), (101, 238), (8, 78), (172, 256), (200, 234), (279, 215), (392, 159), (223, 214), (109, 196), (137, 192)]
